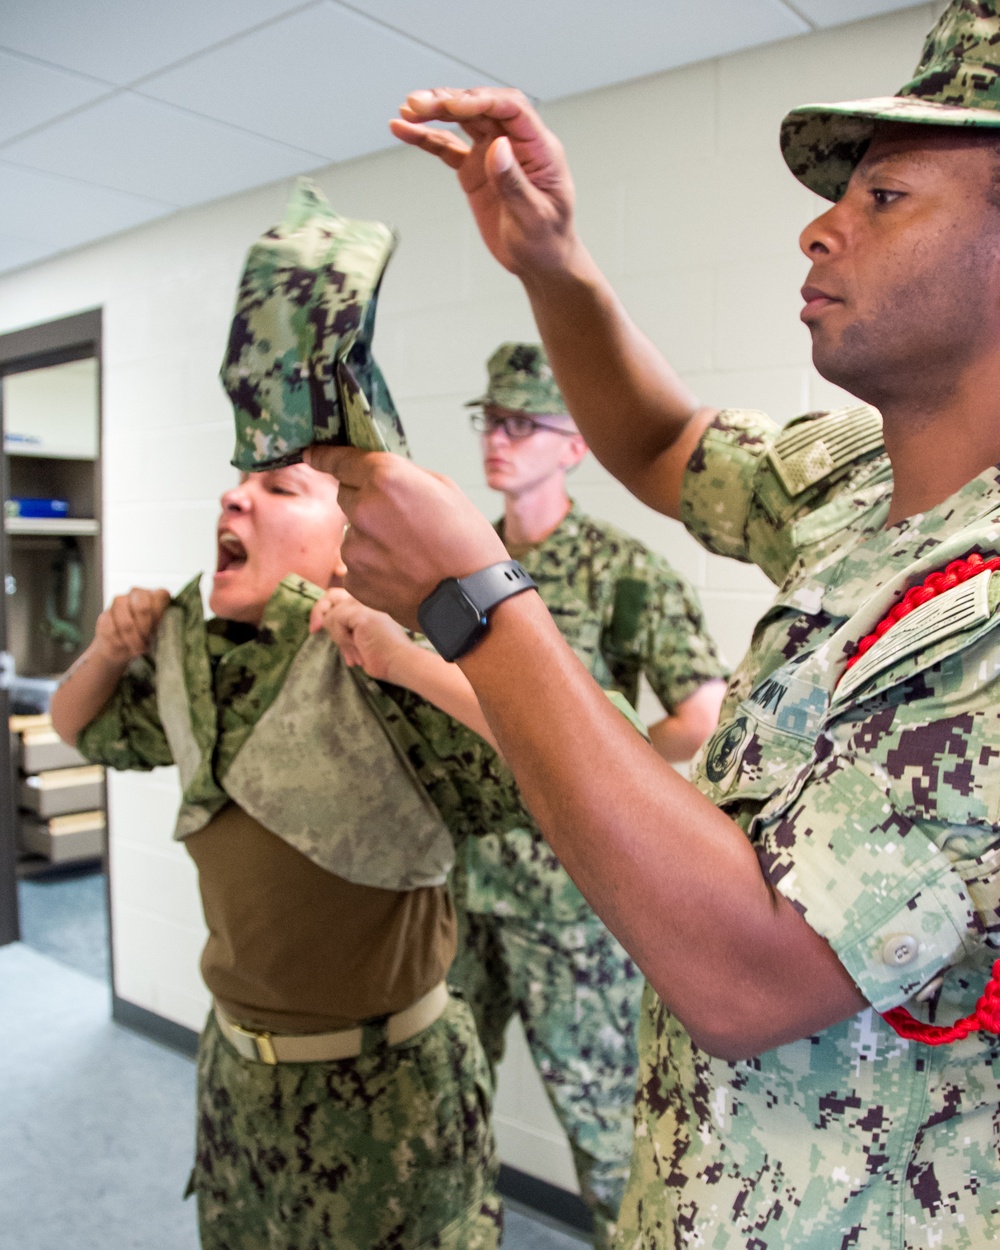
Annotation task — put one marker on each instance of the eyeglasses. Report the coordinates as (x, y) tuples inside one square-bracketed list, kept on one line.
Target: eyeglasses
[(514, 424)]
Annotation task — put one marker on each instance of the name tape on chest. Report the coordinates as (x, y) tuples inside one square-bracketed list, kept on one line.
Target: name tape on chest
[(808, 453), (960, 608)]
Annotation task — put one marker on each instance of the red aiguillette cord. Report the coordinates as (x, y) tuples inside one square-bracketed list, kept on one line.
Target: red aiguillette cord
[(987, 1014)]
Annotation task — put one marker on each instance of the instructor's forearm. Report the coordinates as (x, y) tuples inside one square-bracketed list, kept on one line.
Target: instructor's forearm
[(84, 691), (673, 878), (639, 418)]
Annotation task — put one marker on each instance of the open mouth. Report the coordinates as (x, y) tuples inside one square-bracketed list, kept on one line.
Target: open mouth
[(232, 554)]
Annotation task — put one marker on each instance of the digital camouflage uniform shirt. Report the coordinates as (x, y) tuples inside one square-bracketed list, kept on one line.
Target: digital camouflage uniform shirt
[(625, 613), (232, 687), (403, 1129), (873, 800)]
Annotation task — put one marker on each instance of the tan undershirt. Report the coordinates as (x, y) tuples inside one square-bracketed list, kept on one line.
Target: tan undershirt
[(294, 949)]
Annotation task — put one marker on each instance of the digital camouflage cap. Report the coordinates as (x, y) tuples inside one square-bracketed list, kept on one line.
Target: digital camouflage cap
[(520, 378), (957, 83), (299, 368)]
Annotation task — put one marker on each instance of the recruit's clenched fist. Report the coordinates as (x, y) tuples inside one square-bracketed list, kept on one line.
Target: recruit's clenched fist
[(409, 529), (366, 638), (125, 629)]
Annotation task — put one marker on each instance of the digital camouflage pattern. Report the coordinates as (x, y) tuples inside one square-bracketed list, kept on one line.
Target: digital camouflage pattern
[(521, 379), (874, 803), (258, 732), (626, 613), (578, 994), (956, 83), (298, 367), (528, 940), (282, 1148), (389, 1151)]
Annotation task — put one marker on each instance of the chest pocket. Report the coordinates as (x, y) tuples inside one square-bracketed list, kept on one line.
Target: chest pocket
[(954, 622), (580, 625)]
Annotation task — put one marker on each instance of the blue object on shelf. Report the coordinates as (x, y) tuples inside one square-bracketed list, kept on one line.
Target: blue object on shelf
[(37, 508)]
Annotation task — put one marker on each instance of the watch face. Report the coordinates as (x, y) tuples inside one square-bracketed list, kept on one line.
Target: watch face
[(451, 620)]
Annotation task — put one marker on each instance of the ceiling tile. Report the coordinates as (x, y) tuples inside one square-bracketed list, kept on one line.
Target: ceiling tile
[(121, 40), (327, 80), (40, 208), (17, 252), (145, 148), (31, 94), (563, 47), (840, 12)]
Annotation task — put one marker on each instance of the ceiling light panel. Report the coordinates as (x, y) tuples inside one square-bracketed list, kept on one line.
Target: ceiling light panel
[(121, 40), (143, 147), (326, 79), (563, 47)]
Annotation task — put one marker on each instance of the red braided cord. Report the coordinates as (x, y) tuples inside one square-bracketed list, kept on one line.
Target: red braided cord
[(985, 1017), (932, 586), (987, 1014)]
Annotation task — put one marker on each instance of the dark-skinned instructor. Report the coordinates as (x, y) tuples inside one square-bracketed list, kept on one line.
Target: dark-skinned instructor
[(837, 860)]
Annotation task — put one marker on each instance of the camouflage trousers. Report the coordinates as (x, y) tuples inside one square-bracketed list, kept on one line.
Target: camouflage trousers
[(392, 1150), (578, 994)]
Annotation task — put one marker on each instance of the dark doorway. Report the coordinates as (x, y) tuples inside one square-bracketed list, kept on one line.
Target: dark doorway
[(31, 553)]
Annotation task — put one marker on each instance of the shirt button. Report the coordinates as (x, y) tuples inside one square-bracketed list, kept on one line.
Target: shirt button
[(900, 949)]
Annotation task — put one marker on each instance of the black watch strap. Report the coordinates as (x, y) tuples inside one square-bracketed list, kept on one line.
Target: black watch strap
[(492, 585)]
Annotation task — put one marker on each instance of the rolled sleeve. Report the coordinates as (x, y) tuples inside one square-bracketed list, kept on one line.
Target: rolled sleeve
[(719, 483), (763, 495), (872, 881), (678, 655), (128, 733)]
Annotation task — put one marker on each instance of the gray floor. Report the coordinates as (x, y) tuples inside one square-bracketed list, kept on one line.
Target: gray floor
[(66, 916), (95, 1135), (96, 1121)]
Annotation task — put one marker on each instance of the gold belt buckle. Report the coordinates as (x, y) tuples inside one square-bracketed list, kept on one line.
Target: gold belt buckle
[(262, 1043)]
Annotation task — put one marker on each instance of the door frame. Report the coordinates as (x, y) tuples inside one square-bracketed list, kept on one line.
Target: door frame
[(50, 343)]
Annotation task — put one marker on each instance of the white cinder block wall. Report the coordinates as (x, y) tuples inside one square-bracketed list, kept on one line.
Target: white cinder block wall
[(684, 200)]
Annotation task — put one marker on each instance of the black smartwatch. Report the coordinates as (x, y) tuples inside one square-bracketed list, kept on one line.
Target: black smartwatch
[(454, 616)]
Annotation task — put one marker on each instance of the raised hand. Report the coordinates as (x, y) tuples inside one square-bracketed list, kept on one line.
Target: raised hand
[(126, 627), (513, 171)]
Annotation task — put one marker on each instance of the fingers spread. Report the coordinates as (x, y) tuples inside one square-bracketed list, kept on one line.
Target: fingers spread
[(443, 144), (504, 104)]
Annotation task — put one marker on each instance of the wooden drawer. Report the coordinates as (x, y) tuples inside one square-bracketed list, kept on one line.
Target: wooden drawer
[(63, 790), (43, 748), (79, 835)]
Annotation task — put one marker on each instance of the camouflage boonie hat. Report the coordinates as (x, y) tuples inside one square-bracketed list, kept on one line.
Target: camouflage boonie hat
[(520, 378), (957, 83), (299, 367)]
